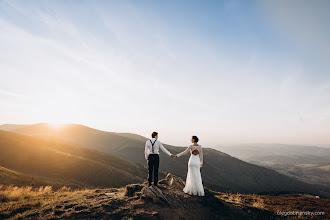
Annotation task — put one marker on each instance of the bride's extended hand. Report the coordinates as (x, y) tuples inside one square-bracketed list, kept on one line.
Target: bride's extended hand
[(201, 165)]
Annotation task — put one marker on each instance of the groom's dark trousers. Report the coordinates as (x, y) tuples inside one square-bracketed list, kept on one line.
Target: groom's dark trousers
[(153, 164)]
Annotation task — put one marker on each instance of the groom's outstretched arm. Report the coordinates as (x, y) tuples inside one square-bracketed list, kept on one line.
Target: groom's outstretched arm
[(165, 150), (146, 151)]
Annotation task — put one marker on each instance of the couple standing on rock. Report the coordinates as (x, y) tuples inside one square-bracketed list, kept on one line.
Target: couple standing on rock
[(194, 185)]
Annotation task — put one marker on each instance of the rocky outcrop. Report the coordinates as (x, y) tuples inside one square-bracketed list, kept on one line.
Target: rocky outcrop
[(155, 194), (168, 201), (174, 181), (130, 190), (163, 193)]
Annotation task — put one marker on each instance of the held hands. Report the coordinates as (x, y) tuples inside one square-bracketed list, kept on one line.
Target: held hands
[(173, 156), (201, 165)]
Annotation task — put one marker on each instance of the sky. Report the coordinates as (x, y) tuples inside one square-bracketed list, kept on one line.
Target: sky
[(227, 71)]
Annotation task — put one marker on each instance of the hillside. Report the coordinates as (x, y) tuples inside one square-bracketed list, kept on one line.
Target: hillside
[(310, 164), (136, 201), (308, 168), (221, 172), (10, 177), (30, 159)]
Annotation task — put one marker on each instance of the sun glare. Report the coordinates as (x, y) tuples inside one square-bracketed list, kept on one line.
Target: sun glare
[(56, 125)]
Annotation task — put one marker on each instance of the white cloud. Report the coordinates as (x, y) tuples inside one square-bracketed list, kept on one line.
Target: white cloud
[(142, 76)]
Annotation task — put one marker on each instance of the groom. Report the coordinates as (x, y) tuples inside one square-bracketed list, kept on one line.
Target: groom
[(151, 154)]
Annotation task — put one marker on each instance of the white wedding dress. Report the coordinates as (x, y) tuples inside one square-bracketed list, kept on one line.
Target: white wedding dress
[(194, 185)]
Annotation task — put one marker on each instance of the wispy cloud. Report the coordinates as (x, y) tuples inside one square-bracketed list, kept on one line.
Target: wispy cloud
[(9, 93), (125, 65)]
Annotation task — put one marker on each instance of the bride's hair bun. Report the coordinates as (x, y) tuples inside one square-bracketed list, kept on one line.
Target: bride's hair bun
[(195, 138)]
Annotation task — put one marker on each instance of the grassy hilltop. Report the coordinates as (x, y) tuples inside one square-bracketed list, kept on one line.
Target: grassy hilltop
[(131, 203)]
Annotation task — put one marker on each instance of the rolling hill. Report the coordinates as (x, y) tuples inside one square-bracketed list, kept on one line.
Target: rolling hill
[(306, 163), (10, 177), (308, 168), (220, 172), (26, 159)]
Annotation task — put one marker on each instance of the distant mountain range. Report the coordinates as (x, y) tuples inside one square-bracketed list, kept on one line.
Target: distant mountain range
[(307, 163), (220, 172), (255, 150)]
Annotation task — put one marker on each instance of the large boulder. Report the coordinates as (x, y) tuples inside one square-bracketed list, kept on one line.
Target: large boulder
[(166, 192), (155, 194), (132, 188), (174, 181)]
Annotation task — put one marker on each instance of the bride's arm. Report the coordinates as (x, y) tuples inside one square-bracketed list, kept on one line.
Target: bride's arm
[(201, 155), (183, 152)]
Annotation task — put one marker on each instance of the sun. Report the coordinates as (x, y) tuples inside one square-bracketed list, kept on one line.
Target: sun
[(57, 110), (55, 114), (56, 125)]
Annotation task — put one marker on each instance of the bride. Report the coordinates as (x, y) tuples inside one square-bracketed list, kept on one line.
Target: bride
[(194, 185)]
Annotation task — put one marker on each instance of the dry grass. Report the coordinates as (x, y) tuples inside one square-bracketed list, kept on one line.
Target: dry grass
[(14, 193), (23, 202), (279, 204), (259, 203), (235, 198), (110, 203), (64, 189), (44, 203)]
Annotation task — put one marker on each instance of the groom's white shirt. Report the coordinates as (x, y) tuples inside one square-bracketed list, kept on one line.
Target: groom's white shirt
[(158, 145)]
